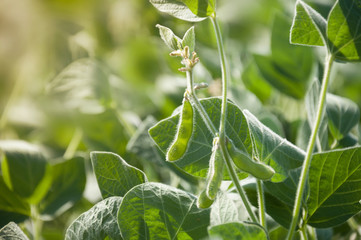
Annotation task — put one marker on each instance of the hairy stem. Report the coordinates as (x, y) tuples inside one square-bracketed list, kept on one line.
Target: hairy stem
[(311, 144), (222, 56), (261, 204)]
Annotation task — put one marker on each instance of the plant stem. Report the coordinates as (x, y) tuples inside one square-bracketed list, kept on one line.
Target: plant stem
[(224, 151), (222, 56), (74, 143), (261, 204), (36, 222), (304, 232), (311, 143)]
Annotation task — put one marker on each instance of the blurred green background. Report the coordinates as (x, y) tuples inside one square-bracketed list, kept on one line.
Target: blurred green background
[(83, 75)]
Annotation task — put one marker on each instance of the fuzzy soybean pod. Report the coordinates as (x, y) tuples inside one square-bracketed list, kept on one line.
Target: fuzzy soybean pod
[(184, 133), (215, 171), (246, 164), (203, 200)]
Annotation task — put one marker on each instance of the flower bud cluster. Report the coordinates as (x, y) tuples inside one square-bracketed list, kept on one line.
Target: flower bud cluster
[(188, 62)]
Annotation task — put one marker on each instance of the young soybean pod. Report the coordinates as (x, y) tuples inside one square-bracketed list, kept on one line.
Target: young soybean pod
[(184, 132), (246, 164), (203, 200), (215, 170)]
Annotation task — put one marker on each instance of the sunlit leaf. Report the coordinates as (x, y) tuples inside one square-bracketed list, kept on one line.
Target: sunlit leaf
[(309, 27), (335, 187), (239, 231), (275, 151), (196, 159), (223, 210), (114, 175), (344, 30), (170, 39), (97, 223), (12, 232), (189, 39), (157, 211)]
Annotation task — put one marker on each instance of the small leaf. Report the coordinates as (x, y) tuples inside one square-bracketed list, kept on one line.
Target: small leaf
[(335, 187), (158, 211), (68, 184), (238, 230), (114, 175), (176, 8), (223, 210), (97, 223), (273, 150), (196, 159), (344, 30), (201, 8), (189, 39), (170, 39), (309, 27), (12, 232), (23, 167), (343, 114)]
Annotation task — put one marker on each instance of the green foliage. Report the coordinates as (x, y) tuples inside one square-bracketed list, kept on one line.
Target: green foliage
[(238, 230), (12, 232), (154, 210)]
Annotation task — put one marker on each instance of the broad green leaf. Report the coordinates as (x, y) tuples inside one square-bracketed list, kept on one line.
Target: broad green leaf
[(68, 184), (196, 159), (158, 211), (142, 145), (82, 86), (201, 8), (280, 233), (349, 141), (189, 39), (343, 114), (23, 167), (97, 223), (273, 150), (12, 203), (344, 30), (335, 187), (170, 39), (311, 102), (309, 27), (114, 175), (238, 231), (176, 8), (276, 75), (12, 232), (223, 210), (255, 82)]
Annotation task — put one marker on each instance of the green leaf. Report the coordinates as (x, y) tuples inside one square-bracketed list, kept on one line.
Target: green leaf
[(344, 30), (177, 8), (23, 168), (335, 187), (223, 210), (201, 8), (97, 223), (239, 231), (189, 39), (309, 27), (68, 184), (273, 150), (311, 101), (82, 86), (11, 202), (170, 39), (12, 232), (114, 175), (158, 211), (343, 114), (196, 159)]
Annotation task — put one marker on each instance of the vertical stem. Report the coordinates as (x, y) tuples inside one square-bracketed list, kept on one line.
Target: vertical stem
[(222, 56), (304, 233), (261, 204), (74, 143), (311, 144), (36, 222)]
